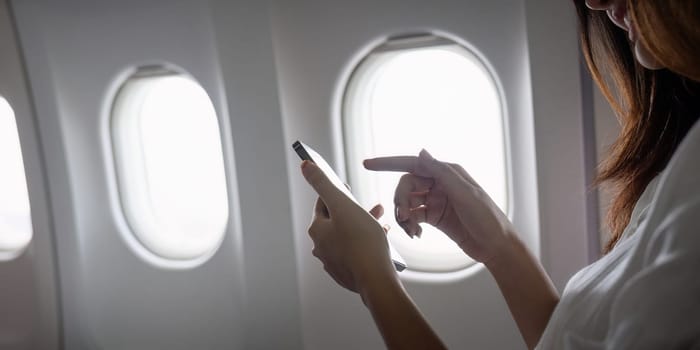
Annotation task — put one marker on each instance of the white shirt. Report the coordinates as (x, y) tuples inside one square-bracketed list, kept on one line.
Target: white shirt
[(644, 294)]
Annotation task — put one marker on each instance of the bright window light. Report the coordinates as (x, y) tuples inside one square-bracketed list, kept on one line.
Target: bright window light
[(15, 214), (169, 164), (441, 98)]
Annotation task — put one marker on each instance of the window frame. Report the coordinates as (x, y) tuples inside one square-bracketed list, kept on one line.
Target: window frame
[(128, 229), (8, 254), (366, 65)]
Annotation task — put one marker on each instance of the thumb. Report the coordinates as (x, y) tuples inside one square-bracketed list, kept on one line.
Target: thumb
[(320, 183)]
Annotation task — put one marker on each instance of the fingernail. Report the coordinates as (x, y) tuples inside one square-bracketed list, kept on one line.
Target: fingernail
[(306, 166)]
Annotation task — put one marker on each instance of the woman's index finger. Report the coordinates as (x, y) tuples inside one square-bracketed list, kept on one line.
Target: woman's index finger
[(406, 164)]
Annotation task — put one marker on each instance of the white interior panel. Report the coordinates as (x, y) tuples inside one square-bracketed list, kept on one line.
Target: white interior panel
[(78, 53), (29, 312), (275, 72), (317, 44), (564, 172), (248, 70)]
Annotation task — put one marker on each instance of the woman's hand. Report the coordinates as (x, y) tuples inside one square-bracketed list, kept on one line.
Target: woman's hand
[(354, 251), (445, 196), (349, 241)]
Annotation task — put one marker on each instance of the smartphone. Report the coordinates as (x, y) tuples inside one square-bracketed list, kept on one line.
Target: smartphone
[(307, 153)]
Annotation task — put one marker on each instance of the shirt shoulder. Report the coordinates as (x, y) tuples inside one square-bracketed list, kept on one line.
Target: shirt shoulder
[(679, 183)]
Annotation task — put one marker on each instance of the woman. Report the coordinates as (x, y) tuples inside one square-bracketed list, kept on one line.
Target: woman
[(645, 292)]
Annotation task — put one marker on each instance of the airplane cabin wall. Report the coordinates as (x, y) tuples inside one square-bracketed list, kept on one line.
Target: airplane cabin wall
[(77, 53), (245, 49), (317, 45), (29, 309), (564, 138), (274, 72)]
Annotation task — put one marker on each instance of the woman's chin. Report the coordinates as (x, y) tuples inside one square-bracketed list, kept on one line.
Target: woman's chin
[(645, 58)]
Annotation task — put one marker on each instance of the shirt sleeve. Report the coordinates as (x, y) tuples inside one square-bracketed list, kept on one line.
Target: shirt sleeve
[(659, 307)]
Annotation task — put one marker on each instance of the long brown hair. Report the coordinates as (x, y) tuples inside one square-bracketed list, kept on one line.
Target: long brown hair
[(655, 108)]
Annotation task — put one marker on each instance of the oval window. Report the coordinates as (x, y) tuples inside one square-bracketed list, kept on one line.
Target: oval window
[(170, 168), (15, 213), (428, 93)]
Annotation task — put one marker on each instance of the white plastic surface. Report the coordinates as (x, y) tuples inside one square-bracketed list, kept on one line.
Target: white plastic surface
[(318, 44), (441, 98), (170, 166)]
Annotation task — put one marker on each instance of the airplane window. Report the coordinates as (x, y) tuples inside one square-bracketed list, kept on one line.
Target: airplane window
[(439, 97), (169, 163), (15, 214)]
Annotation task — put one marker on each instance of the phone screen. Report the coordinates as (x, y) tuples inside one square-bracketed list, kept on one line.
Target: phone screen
[(307, 153)]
